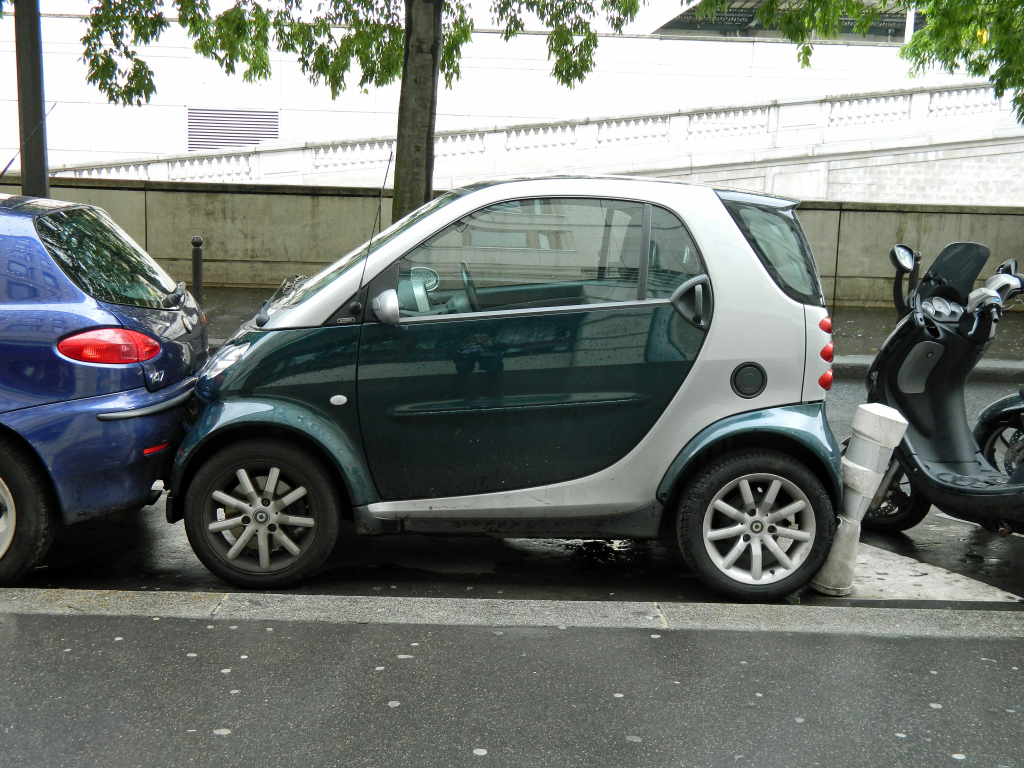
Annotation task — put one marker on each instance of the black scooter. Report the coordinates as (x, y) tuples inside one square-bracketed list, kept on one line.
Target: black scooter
[(944, 329)]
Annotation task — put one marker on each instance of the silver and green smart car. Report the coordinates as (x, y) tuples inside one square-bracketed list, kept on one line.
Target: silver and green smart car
[(564, 357)]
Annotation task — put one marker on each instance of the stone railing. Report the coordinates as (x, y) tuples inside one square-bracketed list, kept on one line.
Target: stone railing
[(866, 111), (662, 144)]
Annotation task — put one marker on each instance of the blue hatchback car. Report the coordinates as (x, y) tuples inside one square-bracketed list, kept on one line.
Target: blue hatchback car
[(98, 354)]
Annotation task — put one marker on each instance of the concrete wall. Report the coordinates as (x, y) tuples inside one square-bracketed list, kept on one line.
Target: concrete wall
[(256, 235), (253, 235), (502, 83), (852, 241)]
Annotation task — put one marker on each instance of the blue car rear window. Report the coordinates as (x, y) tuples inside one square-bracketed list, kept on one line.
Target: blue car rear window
[(101, 259)]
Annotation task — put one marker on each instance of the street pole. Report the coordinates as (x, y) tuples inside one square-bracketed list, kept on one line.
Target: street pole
[(35, 179)]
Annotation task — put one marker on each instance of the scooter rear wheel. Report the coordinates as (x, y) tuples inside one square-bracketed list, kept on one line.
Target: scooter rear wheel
[(902, 509), (1003, 446)]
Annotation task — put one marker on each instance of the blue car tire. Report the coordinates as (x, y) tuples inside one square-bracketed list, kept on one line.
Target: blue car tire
[(755, 525), (262, 514), (26, 513)]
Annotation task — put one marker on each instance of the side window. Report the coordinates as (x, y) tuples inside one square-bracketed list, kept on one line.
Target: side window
[(548, 252), (674, 255)]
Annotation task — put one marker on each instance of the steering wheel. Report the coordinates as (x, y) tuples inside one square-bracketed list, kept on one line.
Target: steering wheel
[(467, 280)]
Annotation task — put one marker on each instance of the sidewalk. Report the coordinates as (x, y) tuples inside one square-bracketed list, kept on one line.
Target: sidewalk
[(858, 334)]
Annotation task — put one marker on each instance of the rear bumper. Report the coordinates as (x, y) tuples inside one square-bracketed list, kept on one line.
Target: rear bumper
[(94, 447)]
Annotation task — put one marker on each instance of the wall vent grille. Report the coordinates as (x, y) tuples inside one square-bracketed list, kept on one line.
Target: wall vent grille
[(217, 128)]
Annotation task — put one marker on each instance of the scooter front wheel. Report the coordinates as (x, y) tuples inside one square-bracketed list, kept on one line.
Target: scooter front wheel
[(902, 508)]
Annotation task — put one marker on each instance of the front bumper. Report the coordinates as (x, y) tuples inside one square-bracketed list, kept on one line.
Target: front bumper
[(93, 448)]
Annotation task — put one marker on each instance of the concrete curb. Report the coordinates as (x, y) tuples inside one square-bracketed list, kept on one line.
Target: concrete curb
[(655, 617), (855, 367)]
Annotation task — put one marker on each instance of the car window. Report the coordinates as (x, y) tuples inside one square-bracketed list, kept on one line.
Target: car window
[(779, 243), (545, 252), (674, 255), (101, 259), (355, 257)]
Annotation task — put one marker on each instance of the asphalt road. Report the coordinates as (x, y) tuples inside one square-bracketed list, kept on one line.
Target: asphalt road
[(119, 691), (144, 553)]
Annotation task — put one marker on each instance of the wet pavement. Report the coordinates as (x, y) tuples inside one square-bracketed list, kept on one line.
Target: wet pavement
[(130, 691)]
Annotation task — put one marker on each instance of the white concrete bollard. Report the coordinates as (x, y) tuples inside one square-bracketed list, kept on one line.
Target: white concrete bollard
[(877, 430)]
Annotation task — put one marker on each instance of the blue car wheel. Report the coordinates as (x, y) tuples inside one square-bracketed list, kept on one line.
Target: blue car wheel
[(262, 514), (26, 521)]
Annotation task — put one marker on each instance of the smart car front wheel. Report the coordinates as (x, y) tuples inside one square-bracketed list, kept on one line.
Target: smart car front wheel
[(262, 514), (756, 525)]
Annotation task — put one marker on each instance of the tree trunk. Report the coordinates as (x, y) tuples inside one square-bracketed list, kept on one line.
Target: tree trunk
[(417, 107)]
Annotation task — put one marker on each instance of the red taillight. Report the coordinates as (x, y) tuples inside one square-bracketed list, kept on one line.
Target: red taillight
[(825, 382), (112, 346), (154, 449), (828, 352), (826, 325)]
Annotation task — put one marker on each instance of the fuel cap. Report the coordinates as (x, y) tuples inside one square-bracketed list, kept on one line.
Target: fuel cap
[(749, 380)]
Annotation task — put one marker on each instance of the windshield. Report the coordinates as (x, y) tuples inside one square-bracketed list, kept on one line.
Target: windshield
[(348, 261), (101, 259), (958, 265)]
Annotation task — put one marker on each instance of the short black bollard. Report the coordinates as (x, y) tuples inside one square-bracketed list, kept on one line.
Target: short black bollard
[(197, 269)]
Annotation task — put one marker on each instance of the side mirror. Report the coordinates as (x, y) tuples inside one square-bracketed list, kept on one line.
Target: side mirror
[(902, 258), (1008, 267), (385, 307)]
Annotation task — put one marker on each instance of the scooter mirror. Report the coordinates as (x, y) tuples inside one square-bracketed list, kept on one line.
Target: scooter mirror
[(1008, 267), (902, 258)]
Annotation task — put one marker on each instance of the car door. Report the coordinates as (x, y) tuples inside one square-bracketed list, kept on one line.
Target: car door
[(535, 344)]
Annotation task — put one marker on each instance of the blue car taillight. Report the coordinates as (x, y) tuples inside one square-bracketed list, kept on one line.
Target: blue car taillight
[(110, 346)]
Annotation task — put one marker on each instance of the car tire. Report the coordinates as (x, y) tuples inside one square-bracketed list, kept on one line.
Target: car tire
[(732, 536), (902, 508), (27, 519), (287, 537)]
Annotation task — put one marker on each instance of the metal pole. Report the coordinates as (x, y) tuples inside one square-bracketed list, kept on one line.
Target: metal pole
[(197, 269), (35, 180)]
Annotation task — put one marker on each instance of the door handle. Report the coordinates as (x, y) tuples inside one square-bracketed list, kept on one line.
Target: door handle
[(694, 301), (385, 307)]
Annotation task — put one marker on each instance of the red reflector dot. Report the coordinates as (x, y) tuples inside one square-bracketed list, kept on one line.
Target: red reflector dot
[(825, 382), (828, 352), (154, 449), (826, 325)]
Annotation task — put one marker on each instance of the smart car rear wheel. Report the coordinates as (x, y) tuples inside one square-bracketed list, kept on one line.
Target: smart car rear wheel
[(262, 514), (26, 523), (756, 525)]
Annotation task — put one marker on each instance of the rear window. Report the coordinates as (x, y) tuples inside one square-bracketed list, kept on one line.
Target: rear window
[(778, 241), (101, 259)]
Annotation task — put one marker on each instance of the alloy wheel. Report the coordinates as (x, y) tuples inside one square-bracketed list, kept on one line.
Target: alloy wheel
[(7, 518), (261, 519), (759, 528)]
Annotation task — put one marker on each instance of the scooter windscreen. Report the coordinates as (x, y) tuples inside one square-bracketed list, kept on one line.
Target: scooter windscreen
[(957, 266)]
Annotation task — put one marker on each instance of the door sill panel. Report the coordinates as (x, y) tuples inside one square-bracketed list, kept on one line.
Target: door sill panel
[(643, 523)]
